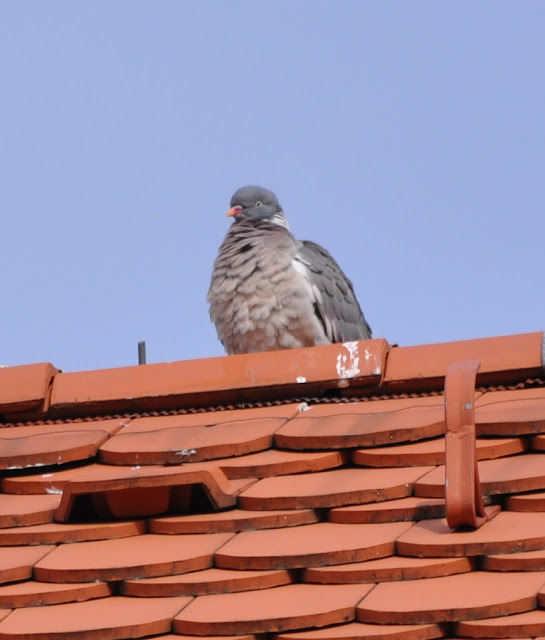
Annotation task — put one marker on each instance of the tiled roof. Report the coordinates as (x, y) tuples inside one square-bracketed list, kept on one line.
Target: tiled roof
[(314, 494)]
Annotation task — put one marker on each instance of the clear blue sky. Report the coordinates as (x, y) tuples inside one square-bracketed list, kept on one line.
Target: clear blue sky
[(406, 137)]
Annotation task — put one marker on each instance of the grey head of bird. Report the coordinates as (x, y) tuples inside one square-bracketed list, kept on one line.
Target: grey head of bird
[(256, 204)]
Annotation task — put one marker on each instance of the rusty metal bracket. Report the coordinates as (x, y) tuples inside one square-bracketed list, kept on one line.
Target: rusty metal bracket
[(463, 497)]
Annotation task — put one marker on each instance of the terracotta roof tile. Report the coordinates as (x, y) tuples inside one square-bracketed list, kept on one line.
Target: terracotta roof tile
[(388, 569), (310, 545), (283, 608), (521, 561), (511, 412), (274, 496), (205, 582), (107, 618), (44, 445), (513, 474), (410, 508), (466, 596), (432, 452), (363, 425), (20, 511), (273, 462), (502, 359), (25, 389), (331, 488), (506, 533), (527, 502), (260, 375), (136, 557), (531, 623), (172, 446), (47, 449), (361, 630), (33, 593), (234, 520), (55, 533), (16, 563)]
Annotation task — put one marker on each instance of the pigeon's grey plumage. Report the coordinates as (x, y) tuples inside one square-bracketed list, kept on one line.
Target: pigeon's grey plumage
[(270, 291)]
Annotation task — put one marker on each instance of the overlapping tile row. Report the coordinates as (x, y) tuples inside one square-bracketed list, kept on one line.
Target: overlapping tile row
[(310, 522)]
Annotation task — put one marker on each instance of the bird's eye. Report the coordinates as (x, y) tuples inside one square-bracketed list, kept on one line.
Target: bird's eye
[(258, 203)]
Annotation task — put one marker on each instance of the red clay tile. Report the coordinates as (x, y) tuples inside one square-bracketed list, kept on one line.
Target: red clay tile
[(32, 593), (50, 444), (390, 511), (140, 556), (511, 412), (432, 452), (190, 444), (504, 475), (109, 426), (387, 569), (466, 596), (296, 606), (16, 562), (363, 424), (363, 631), (522, 561), (55, 482), (49, 449), (181, 636), (54, 533), (502, 359), (149, 492), (212, 381), (25, 389), (233, 520), (212, 418), (310, 545), (527, 502), (21, 511), (330, 488), (506, 533), (538, 443), (4, 613), (274, 463), (541, 598), (531, 623), (207, 581), (105, 618)]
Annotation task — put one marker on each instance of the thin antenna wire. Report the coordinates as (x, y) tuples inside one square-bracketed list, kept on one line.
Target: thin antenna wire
[(142, 352)]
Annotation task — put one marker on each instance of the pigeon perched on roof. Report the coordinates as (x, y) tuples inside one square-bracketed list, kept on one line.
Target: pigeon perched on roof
[(270, 291)]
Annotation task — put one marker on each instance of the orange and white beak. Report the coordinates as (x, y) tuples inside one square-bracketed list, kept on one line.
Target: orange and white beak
[(234, 210)]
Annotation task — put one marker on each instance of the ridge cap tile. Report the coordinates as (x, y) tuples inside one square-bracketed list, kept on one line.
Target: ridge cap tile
[(511, 356), (25, 388), (336, 366)]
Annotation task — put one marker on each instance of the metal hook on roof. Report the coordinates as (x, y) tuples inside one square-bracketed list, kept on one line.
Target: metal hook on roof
[(463, 496)]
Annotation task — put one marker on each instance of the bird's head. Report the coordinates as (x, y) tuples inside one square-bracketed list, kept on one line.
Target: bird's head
[(256, 204)]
